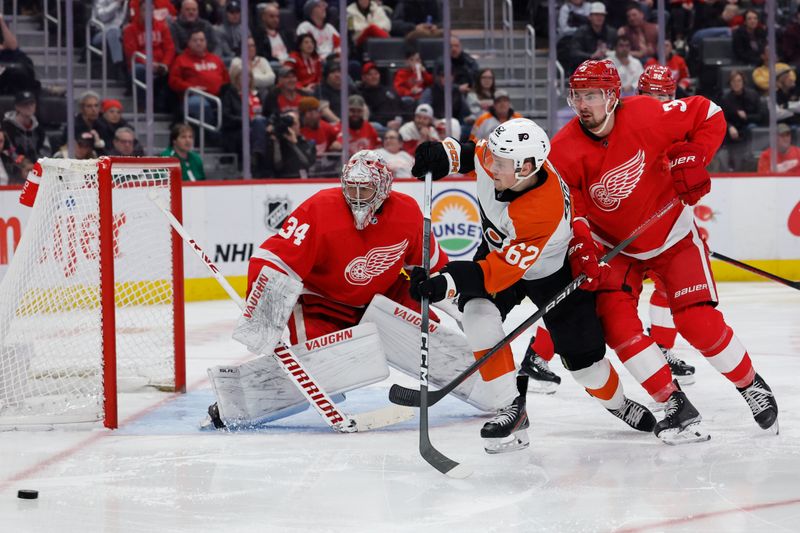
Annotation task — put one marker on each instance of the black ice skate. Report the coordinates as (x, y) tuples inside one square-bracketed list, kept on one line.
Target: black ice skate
[(680, 422), (506, 432), (213, 418), (635, 415), (762, 403), (544, 380), (681, 371)]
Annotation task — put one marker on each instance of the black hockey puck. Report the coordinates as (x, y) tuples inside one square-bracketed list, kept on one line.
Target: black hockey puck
[(27, 494)]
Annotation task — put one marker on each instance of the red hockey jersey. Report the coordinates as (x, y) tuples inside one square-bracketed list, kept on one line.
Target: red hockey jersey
[(320, 245), (619, 181)]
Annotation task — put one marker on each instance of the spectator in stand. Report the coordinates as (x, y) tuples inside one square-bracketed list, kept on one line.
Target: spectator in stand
[(742, 108), (592, 41), (787, 96), (285, 96), (84, 148), (415, 19), (790, 41), (325, 35), (10, 171), (162, 10), (312, 128), (181, 140), (412, 79), (306, 63), (677, 65), (761, 73), (19, 73), (272, 42), (480, 98), (383, 103), (362, 135), (398, 160), (112, 14), (573, 14), (86, 120), (367, 19), (232, 117), (189, 22), (715, 19), (628, 66), (465, 68), (133, 37), (212, 10), (124, 143), (419, 130), (435, 95), (749, 39), (23, 133), (643, 35), (292, 155), (111, 120), (229, 34), (260, 69), (788, 160), (198, 68), (330, 90), (500, 112)]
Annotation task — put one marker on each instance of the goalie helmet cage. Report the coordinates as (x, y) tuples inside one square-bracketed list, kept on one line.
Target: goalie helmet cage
[(93, 299)]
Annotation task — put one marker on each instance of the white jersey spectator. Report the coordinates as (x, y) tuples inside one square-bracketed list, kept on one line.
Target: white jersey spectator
[(325, 34), (399, 161), (572, 15), (628, 66)]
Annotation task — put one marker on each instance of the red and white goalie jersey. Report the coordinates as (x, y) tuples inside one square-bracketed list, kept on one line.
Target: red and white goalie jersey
[(527, 232), (620, 180), (319, 245)]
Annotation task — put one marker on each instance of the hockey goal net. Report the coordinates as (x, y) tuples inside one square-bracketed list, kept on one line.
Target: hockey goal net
[(93, 298)]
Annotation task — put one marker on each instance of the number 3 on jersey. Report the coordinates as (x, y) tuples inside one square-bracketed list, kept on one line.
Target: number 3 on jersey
[(292, 229), (523, 255)]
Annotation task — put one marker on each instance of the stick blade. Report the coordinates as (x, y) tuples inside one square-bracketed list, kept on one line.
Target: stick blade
[(444, 464)]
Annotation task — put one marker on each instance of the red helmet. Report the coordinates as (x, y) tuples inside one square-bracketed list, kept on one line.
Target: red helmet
[(595, 74), (657, 79)]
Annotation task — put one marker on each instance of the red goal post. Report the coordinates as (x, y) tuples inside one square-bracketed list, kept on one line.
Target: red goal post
[(92, 301)]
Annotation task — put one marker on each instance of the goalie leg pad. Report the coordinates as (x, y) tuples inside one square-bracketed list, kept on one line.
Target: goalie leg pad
[(266, 311), (449, 353), (258, 391)]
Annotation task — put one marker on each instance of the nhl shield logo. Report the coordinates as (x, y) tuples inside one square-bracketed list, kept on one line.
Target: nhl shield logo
[(276, 209)]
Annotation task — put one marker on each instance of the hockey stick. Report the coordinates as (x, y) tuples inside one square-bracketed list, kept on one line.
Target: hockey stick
[(754, 270), (435, 458), (410, 397), (290, 363)]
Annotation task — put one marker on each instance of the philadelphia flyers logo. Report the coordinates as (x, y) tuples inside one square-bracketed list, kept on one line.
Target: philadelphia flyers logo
[(492, 233), (523, 137)]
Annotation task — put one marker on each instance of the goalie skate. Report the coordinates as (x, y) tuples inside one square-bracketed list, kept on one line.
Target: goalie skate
[(543, 380), (681, 421), (507, 431), (762, 404), (681, 371)]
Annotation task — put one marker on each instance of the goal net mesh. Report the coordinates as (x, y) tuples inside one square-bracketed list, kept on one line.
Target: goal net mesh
[(51, 317)]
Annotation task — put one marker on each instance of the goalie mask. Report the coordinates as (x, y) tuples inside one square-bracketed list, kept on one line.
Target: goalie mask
[(366, 183), (520, 139)]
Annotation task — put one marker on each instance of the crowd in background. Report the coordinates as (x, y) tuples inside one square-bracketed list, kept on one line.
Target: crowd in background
[(295, 78)]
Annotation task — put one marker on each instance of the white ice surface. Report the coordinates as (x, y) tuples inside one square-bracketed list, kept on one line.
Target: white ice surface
[(584, 471)]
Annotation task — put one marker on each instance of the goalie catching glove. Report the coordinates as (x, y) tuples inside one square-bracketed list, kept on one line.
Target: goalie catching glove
[(583, 255), (443, 158), (687, 162), (456, 277)]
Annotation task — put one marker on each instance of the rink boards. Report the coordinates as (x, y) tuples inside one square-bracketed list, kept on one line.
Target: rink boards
[(751, 218)]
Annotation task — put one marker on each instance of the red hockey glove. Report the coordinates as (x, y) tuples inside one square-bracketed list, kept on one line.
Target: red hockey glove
[(583, 256), (690, 178)]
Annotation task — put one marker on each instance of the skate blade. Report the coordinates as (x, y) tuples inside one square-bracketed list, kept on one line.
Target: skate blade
[(690, 434), (774, 429), (512, 443), (685, 380), (541, 387)]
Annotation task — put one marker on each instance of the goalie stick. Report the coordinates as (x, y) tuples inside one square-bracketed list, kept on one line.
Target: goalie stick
[(434, 457), (754, 270), (291, 364), (410, 397)]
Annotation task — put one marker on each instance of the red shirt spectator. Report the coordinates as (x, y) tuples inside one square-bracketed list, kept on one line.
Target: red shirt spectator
[(162, 10), (197, 67), (643, 35), (362, 135), (680, 71), (788, 160), (306, 63), (412, 79), (312, 128), (133, 40)]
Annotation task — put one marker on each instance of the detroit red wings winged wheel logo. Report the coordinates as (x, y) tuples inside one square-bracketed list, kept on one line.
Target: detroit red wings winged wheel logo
[(618, 183), (362, 269)]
